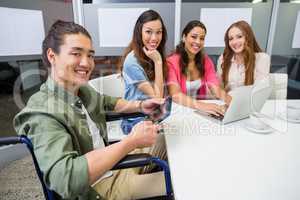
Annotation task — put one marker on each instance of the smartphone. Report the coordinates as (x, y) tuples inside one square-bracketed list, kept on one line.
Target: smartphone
[(162, 111)]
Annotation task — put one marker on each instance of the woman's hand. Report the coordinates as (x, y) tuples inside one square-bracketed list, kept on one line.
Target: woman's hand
[(228, 99), (211, 108), (149, 105), (219, 93), (154, 55)]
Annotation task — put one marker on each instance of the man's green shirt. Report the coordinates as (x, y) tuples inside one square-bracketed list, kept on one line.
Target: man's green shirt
[(54, 121)]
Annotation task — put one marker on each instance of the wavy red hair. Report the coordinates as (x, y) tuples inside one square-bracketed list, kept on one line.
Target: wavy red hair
[(250, 48)]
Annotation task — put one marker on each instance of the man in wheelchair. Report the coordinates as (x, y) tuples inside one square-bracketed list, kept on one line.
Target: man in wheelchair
[(55, 120)]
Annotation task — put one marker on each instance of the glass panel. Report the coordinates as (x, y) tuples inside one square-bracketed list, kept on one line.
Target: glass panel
[(160, 1), (126, 1), (108, 57), (260, 20), (52, 10), (221, 1), (286, 49)]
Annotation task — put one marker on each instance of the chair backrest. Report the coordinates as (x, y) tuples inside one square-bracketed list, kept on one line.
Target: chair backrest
[(296, 75), (279, 85), (292, 67), (111, 85)]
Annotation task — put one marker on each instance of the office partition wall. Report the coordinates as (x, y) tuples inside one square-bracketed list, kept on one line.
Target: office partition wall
[(119, 19), (51, 11), (286, 46), (259, 19), (23, 30), (285, 30)]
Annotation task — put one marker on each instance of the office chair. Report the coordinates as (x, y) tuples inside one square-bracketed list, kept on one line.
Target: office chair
[(279, 85), (291, 66), (8, 75), (294, 79), (111, 85)]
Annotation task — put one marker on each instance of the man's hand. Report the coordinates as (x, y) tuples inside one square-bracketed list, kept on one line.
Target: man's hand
[(144, 134)]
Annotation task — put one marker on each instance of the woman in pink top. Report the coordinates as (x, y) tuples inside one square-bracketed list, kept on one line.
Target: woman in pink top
[(191, 73)]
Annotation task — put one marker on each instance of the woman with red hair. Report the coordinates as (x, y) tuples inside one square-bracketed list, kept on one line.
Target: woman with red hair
[(242, 62)]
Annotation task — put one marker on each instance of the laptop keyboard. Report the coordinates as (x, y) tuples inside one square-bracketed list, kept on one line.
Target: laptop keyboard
[(220, 117)]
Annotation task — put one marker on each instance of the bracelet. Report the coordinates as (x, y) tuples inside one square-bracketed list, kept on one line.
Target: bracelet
[(140, 105)]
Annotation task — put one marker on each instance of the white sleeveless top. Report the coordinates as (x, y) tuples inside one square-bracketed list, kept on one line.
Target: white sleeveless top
[(192, 87)]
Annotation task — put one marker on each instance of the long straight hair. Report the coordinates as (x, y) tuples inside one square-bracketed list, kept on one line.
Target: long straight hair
[(136, 45), (250, 48), (180, 49)]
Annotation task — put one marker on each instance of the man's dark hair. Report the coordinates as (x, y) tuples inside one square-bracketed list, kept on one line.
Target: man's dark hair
[(55, 37)]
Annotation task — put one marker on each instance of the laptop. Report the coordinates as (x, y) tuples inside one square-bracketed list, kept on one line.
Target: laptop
[(245, 100)]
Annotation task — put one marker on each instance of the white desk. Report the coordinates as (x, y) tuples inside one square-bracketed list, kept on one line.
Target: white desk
[(209, 161)]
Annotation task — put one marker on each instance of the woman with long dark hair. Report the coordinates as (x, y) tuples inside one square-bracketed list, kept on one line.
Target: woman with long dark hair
[(242, 62), (191, 73), (144, 65)]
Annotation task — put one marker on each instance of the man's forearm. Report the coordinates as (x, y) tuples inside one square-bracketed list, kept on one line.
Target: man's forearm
[(102, 160), (124, 106)]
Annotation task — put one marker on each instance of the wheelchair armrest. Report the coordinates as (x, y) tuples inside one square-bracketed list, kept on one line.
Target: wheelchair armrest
[(143, 159), (9, 140), (133, 160), (112, 116), (112, 141)]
